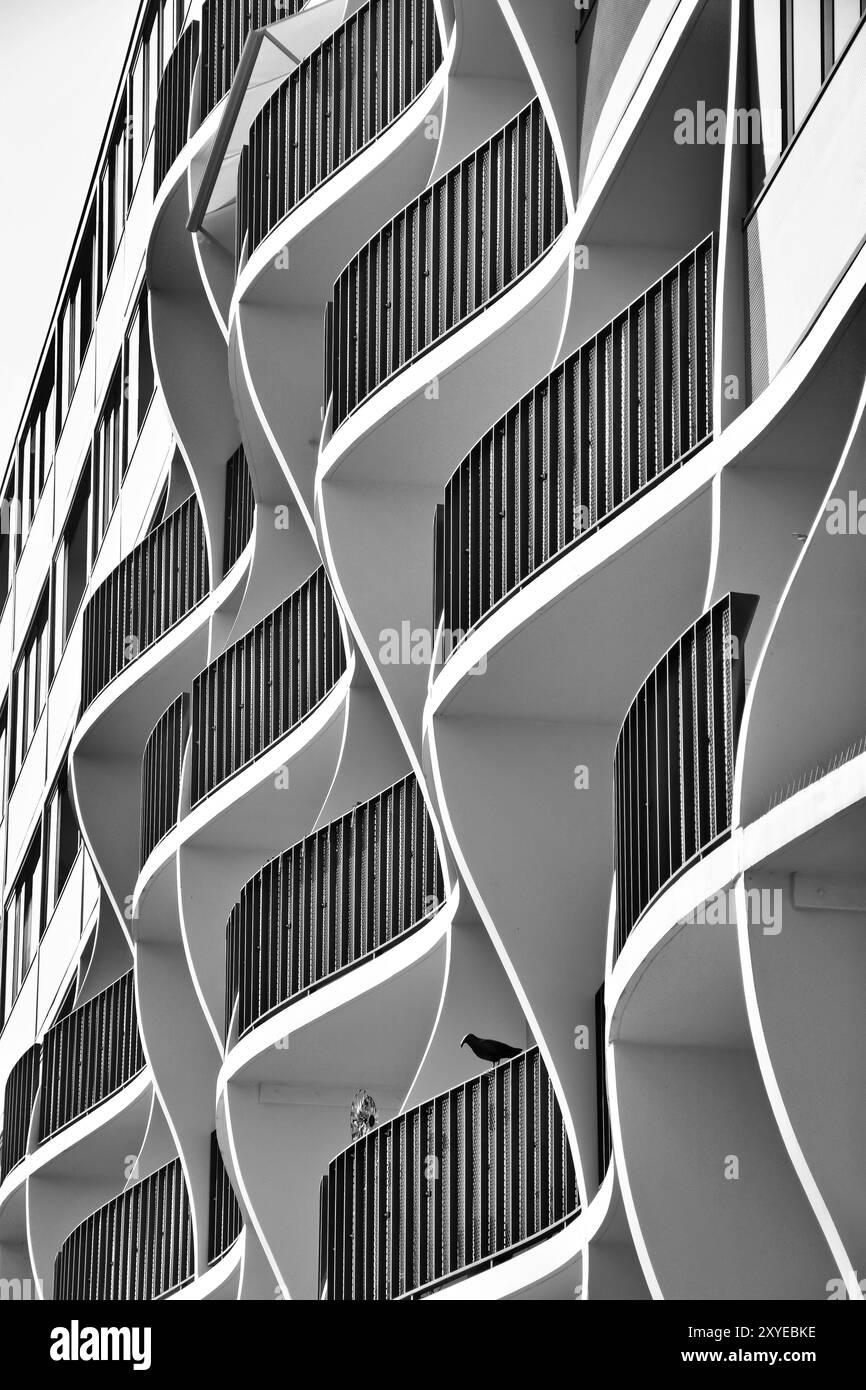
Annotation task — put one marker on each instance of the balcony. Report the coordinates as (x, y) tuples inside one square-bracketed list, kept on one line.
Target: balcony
[(149, 592), (88, 1056), (161, 768), (394, 1225), (173, 101), (338, 99), (675, 758), (225, 1222), (632, 403), (138, 1246), (21, 1087), (240, 509), (265, 685), (338, 898), (225, 27), (445, 257)]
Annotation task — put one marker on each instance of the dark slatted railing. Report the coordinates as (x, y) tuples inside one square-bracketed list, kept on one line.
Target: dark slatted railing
[(674, 760), (334, 103), (153, 588), (443, 258), (138, 1246), (265, 684), (605, 1138), (225, 27), (628, 405), (21, 1087), (240, 508), (452, 1187), (173, 104), (225, 1221), (331, 901), (89, 1055), (161, 767)]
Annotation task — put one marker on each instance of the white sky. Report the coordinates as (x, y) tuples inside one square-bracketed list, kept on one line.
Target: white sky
[(59, 65)]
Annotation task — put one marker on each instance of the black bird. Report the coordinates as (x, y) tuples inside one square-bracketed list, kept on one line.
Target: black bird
[(489, 1050)]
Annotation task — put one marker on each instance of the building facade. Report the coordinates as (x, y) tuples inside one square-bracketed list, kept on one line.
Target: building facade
[(433, 613)]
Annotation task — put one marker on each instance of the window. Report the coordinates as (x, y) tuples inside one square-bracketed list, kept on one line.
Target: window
[(71, 568), (136, 122), (30, 684), (21, 923), (159, 510), (138, 374), (76, 318), (813, 35), (159, 31), (36, 450), (168, 8), (61, 841), (842, 20), (8, 528), (111, 204), (108, 466), (154, 71), (4, 727)]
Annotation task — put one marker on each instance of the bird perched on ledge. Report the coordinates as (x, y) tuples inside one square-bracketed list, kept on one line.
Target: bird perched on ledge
[(489, 1050)]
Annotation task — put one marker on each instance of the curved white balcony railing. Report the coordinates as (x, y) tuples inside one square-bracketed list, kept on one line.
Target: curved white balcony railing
[(150, 591), (444, 258), (264, 685), (448, 1189), (139, 1246), (89, 1055), (337, 899), (617, 415), (675, 758)]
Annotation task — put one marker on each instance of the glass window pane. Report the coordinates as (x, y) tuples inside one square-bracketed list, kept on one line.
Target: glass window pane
[(43, 665), (167, 31), (74, 344), (146, 378), (807, 56), (132, 378), (59, 631), (36, 454), (16, 947), (137, 114), (49, 427), (105, 226), (51, 863), (118, 187), (152, 72), (845, 16)]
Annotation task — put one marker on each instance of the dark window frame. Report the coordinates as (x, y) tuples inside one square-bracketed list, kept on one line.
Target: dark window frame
[(41, 614), (112, 400), (32, 872), (59, 788), (78, 509)]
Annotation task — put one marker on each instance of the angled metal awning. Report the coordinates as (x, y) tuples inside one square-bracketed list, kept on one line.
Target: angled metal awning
[(269, 56)]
